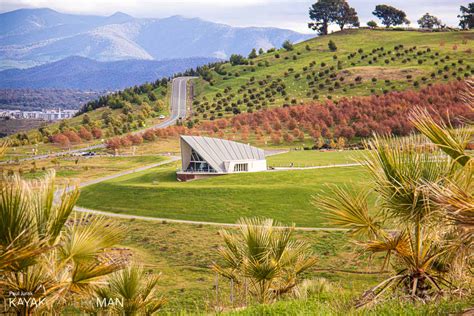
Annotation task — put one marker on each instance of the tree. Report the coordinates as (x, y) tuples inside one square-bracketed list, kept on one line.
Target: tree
[(429, 21), (372, 24), (253, 54), (345, 15), (236, 59), (332, 46), (86, 119), (323, 13), (260, 51), (270, 260), (390, 16), (84, 133), (466, 18), (287, 45)]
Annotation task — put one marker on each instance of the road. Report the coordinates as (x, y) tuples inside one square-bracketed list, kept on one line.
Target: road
[(178, 110)]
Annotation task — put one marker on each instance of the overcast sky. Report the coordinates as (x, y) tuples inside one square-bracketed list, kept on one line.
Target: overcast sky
[(291, 14)]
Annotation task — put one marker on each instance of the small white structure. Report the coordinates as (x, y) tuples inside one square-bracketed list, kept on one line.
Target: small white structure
[(206, 156)]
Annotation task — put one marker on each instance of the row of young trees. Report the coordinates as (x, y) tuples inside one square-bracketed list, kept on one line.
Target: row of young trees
[(354, 117), (330, 125), (325, 12)]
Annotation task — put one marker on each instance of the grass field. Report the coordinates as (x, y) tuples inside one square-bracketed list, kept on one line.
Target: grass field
[(307, 158), (284, 195), (82, 168), (183, 253)]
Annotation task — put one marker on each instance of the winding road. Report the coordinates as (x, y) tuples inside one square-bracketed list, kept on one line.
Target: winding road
[(178, 111)]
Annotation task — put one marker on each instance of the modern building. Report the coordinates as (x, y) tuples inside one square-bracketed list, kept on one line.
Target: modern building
[(203, 157)]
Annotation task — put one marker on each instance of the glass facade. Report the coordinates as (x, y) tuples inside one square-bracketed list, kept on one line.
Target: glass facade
[(198, 164)]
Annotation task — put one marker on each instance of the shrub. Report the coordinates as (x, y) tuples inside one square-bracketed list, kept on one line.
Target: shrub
[(85, 134), (287, 45), (149, 135), (332, 46)]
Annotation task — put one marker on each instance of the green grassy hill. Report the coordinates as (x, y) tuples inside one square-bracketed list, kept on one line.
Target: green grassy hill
[(365, 62)]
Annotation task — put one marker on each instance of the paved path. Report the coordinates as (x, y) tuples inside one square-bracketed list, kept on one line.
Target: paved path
[(317, 167), (178, 221), (158, 219), (123, 173), (178, 111)]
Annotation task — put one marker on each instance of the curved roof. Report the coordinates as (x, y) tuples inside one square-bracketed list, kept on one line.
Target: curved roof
[(216, 151)]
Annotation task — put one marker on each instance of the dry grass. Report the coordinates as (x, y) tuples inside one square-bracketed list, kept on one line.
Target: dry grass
[(381, 73)]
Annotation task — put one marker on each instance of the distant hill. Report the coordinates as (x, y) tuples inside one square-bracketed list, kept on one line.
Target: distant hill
[(31, 37), (87, 74)]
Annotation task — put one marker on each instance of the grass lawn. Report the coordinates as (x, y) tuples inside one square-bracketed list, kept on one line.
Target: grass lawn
[(284, 196), (306, 158)]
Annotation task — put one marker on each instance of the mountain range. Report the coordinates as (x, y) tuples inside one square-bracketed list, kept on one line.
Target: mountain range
[(86, 74), (32, 37)]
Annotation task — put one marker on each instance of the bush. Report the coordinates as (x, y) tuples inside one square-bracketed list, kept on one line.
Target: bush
[(287, 45), (372, 24), (332, 46)]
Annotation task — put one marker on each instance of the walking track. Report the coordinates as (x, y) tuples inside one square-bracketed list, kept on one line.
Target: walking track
[(167, 220)]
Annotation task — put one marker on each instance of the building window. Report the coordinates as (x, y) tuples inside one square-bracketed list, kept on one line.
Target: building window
[(198, 164), (241, 167)]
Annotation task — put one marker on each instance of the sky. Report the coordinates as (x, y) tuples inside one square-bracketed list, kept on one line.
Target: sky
[(290, 14)]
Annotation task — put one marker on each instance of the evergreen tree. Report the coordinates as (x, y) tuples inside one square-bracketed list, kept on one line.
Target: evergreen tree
[(390, 16), (345, 15), (253, 54), (467, 17), (429, 21), (287, 45)]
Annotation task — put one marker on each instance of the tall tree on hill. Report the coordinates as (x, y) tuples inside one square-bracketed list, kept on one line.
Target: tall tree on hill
[(467, 17), (429, 21), (346, 15), (390, 16), (253, 54), (322, 13)]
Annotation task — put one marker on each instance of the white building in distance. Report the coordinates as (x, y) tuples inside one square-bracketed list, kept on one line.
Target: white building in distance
[(203, 157), (45, 114)]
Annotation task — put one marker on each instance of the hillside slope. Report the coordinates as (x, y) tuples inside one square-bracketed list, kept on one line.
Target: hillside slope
[(83, 73), (366, 62), (388, 61), (30, 37)]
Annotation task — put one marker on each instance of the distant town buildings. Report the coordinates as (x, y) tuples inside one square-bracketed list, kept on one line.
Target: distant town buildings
[(46, 115)]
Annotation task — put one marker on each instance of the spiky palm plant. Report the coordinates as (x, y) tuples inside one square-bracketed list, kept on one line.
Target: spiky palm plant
[(422, 189), (264, 255), (44, 252), (133, 291)]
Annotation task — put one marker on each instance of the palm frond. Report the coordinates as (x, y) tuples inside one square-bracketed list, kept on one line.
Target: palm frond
[(452, 141), (348, 209)]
